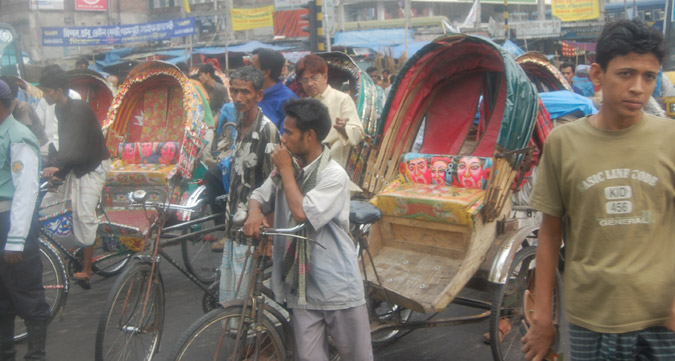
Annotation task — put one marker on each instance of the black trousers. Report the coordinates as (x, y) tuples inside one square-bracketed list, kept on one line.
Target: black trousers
[(21, 291), (213, 180)]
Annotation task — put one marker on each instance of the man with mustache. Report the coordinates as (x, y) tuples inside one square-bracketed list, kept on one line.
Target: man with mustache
[(249, 167), (347, 130)]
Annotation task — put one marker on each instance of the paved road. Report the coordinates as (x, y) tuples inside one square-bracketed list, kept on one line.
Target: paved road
[(72, 337)]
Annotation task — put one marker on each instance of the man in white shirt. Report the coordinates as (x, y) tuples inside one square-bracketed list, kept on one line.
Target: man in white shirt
[(347, 131)]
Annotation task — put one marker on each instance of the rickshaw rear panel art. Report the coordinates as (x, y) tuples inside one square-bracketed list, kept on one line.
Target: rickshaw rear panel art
[(478, 107)]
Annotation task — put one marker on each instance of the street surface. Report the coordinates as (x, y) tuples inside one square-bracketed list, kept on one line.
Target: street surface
[(72, 337)]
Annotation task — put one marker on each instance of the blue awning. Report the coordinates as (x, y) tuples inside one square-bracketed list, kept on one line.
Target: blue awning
[(219, 50), (374, 39), (563, 102)]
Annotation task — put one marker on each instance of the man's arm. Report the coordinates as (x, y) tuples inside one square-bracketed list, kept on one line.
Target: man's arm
[(255, 219), (270, 139), (349, 124), (541, 334), (25, 168)]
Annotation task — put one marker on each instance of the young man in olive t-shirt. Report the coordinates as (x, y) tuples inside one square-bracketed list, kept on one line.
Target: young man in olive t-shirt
[(613, 176)]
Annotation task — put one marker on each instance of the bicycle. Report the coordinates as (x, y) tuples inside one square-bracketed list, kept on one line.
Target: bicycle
[(130, 325), (246, 328), (109, 257)]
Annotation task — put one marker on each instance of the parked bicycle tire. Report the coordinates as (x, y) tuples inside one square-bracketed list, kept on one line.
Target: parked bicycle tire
[(206, 339), (55, 283), (198, 257), (125, 332), (508, 305)]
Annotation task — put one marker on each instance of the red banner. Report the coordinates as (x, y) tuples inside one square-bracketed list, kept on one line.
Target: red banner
[(288, 23), (91, 5)]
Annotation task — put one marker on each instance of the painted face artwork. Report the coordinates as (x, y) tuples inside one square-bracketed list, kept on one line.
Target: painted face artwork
[(146, 149), (168, 153), (129, 152), (418, 171), (470, 172), (439, 165)]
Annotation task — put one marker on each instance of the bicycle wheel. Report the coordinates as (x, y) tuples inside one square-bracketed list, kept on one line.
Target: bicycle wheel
[(197, 255), (214, 337), (130, 328), (508, 310), (55, 283)]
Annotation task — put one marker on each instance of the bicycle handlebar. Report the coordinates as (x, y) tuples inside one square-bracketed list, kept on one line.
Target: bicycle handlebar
[(285, 232)]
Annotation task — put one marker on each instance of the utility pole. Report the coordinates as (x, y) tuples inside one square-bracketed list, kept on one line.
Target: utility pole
[(541, 10), (406, 10), (478, 15)]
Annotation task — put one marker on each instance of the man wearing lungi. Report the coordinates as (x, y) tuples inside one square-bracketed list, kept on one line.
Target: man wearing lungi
[(82, 161)]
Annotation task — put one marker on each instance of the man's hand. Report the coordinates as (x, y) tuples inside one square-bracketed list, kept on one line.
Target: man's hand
[(253, 223), (13, 257), (538, 340), (282, 158), (49, 172), (340, 124)]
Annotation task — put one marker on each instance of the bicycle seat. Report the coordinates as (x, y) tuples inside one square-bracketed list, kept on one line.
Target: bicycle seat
[(361, 212), (221, 200)]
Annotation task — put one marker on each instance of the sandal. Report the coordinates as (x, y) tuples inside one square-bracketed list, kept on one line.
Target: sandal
[(82, 279), (504, 328)]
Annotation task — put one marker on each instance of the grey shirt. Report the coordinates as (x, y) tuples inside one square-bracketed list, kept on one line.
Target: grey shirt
[(334, 280)]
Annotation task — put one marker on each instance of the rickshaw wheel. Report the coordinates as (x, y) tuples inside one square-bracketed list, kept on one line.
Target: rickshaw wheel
[(388, 313), (509, 305)]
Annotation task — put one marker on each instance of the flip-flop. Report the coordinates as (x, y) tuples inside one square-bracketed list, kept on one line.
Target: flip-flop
[(82, 279), (504, 328)]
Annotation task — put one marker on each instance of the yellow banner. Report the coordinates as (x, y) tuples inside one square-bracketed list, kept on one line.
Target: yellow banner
[(244, 19), (575, 10)]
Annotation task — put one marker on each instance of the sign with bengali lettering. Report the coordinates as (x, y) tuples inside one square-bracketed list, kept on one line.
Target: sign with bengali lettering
[(575, 10), (117, 34), (91, 5), (244, 19)]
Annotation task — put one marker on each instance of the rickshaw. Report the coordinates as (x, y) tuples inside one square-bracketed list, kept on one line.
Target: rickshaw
[(94, 89), (154, 132), (367, 96), (542, 73), (459, 133)]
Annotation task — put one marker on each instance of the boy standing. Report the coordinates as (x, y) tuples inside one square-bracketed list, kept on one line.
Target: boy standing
[(613, 176)]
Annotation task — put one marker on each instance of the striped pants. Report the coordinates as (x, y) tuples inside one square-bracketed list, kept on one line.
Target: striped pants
[(654, 343)]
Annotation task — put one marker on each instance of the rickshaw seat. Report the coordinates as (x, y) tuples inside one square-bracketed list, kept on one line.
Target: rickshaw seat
[(144, 163), (361, 212)]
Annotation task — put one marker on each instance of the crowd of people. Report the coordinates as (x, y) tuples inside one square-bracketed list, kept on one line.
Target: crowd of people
[(286, 166)]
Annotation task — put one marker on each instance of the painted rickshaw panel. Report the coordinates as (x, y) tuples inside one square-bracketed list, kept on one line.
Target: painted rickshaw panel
[(477, 104), (154, 132)]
